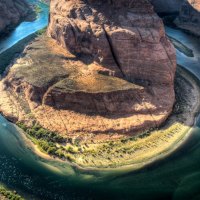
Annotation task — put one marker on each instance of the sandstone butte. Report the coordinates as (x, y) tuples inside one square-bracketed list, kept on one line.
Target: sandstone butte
[(114, 77), (11, 12)]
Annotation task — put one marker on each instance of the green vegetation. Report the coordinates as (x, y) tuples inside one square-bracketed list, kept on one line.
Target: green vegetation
[(9, 194), (42, 134), (38, 9), (50, 142), (42, 31)]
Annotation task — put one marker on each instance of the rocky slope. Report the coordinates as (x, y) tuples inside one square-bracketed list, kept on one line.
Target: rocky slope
[(11, 12), (169, 6), (189, 17), (111, 76)]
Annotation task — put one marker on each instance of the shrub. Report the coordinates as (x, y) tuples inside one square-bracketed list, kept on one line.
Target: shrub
[(9, 194)]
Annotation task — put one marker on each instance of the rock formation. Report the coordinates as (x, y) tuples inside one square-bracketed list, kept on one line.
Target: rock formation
[(189, 16), (11, 12), (167, 6), (126, 37), (114, 73)]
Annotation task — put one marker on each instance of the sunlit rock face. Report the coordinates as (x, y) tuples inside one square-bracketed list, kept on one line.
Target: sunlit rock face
[(167, 6), (11, 11), (189, 17)]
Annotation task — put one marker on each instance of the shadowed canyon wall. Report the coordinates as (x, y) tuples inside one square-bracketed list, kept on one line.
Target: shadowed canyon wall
[(189, 16), (167, 6), (11, 12)]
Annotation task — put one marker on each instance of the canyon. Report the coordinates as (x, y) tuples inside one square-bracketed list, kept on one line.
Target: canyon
[(84, 117), (11, 13), (99, 80)]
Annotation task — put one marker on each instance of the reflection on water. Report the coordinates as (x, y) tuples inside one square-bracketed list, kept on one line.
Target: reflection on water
[(177, 177)]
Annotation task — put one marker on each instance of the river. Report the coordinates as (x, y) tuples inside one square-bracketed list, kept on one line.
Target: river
[(26, 28), (176, 177)]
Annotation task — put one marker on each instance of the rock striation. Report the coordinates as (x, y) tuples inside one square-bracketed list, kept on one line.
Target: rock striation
[(111, 74), (11, 12), (189, 16)]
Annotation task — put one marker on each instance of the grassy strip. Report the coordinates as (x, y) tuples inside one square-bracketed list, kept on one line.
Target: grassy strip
[(40, 133), (38, 9), (49, 142), (9, 194)]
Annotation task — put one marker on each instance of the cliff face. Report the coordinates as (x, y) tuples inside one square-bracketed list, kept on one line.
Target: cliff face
[(11, 12), (189, 16), (112, 72), (126, 37), (167, 6)]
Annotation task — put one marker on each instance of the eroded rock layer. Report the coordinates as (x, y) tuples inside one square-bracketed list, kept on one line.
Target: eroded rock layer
[(11, 12)]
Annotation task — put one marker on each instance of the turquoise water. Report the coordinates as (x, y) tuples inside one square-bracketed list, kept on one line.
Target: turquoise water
[(176, 177)]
